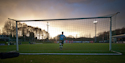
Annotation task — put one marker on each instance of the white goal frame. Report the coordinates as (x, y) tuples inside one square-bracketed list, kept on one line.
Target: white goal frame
[(110, 33)]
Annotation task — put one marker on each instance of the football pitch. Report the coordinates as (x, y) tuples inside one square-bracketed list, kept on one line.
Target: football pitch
[(67, 48)]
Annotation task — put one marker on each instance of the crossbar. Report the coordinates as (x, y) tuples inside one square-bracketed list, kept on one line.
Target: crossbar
[(58, 19)]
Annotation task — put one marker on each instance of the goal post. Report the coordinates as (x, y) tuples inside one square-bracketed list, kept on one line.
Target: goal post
[(17, 47), (67, 20)]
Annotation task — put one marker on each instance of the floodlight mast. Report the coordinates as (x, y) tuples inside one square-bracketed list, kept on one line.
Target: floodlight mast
[(48, 31), (95, 22)]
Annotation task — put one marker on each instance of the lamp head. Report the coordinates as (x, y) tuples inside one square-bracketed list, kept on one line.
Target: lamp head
[(95, 22)]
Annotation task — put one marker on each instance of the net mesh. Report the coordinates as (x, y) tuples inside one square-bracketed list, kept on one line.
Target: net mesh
[(42, 36), (81, 28)]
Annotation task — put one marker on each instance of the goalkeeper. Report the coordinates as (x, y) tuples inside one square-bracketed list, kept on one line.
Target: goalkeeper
[(61, 38)]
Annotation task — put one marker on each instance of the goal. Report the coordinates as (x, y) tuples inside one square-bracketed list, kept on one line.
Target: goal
[(83, 35)]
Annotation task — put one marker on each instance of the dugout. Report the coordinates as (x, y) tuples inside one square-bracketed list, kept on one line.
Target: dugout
[(119, 38)]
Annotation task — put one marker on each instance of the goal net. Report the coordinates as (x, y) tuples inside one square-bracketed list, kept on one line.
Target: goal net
[(83, 35)]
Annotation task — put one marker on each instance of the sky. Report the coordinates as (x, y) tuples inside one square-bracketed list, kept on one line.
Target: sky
[(54, 9)]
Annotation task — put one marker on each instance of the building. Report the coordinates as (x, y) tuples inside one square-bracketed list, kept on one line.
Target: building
[(4, 38), (119, 38)]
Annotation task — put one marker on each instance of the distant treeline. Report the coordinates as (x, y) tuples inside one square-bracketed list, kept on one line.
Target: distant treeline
[(26, 33), (102, 36)]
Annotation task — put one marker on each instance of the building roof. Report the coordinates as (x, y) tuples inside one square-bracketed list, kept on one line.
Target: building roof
[(118, 36)]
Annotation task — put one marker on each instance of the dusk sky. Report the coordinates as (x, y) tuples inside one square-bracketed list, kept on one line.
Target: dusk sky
[(54, 9)]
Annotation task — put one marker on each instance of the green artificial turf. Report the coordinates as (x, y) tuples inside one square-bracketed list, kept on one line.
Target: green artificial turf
[(54, 48), (64, 59), (67, 58), (67, 48)]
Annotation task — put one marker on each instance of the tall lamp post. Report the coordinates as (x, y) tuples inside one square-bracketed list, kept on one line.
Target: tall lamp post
[(95, 22), (48, 30)]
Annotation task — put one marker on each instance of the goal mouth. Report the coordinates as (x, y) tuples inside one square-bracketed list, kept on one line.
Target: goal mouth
[(83, 35)]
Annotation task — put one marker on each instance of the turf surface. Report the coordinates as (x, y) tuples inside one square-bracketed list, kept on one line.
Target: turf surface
[(54, 48), (66, 58)]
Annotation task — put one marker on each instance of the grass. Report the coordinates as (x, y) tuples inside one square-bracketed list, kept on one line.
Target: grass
[(64, 59), (79, 47), (3, 42), (54, 48)]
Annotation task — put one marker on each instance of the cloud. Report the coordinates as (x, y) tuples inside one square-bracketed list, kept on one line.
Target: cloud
[(85, 1), (78, 1), (51, 9)]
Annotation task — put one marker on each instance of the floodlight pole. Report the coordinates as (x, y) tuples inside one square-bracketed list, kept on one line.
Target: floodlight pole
[(17, 48), (48, 30), (95, 32), (95, 22), (110, 35)]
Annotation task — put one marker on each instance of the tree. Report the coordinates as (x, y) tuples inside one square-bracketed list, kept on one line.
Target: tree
[(31, 36), (39, 32), (36, 30), (44, 34), (123, 30), (24, 30), (9, 28)]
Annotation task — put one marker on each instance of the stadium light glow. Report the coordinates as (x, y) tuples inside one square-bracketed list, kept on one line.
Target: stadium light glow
[(95, 22)]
